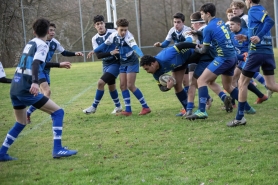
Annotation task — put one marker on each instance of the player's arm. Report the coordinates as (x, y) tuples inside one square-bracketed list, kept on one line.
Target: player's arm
[(184, 45), (65, 64), (268, 23), (5, 80), (137, 50), (164, 44), (107, 54), (202, 48), (70, 54)]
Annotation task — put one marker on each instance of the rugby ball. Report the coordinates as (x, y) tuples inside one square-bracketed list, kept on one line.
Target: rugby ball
[(163, 79)]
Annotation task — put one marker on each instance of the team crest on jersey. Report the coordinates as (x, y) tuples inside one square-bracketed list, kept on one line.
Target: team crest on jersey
[(53, 47), (17, 78), (132, 40), (219, 23)]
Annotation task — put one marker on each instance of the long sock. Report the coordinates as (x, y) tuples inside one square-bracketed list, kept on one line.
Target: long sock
[(138, 94), (240, 110), (182, 97), (190, 106), (57, 128), (115, 97), (30, 110), (222, 95), (186, 89), (203, 94), (234, 95), (11, 136), (259, 78), (255, 90), (98, 96), (233, 101), (126, 97)]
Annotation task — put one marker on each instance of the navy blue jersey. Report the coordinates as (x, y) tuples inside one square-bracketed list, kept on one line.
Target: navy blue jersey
[(98, 39), (241, 47), (217, 35), (53, 45), (256, 18), (36, 49), (169, 59)]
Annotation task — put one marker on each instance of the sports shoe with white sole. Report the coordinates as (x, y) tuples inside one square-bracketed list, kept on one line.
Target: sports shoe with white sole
[(251, 111), (90, 110), (235, 122), (117, 110)]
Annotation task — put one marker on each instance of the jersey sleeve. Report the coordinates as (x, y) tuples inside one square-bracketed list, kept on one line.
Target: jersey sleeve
[(94, 43), (129, 39), (207, 36), (41, 52), (59, 47), (258, 15), (169, 35), (110, 39)]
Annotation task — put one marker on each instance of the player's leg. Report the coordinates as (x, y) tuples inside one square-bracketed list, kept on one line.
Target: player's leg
[(268, 71), (181, 94), (114, 71), (192, 89), (44, 83), (131, 78), (125, 91), (20, 114)]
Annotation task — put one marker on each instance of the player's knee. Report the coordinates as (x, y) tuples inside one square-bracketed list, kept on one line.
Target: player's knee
[(100, 84)]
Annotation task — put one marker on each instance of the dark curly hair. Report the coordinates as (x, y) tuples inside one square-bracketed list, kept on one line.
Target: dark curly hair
[(41, 26), (98, 18), (147, 60), (122, 23)]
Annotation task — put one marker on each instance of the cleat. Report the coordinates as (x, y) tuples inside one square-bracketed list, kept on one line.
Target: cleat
[(228, 104), (235, 122), (209, 103), (90, 110), (6, 157), (188, 113), (251, 111), (269, 93), (28, 119), (145, 111), (261, 100), (124, 113), (117, 110), (198, 115), (182, 112), (63, 152)]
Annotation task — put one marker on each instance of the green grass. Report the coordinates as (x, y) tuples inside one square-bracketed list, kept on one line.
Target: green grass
[(158, 148)]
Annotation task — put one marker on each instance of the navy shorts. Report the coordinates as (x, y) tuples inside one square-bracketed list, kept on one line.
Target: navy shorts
[(130, 69), (256, 60), (44, 77), (112, 69), (201, 66), (221, 65), (25, 100)]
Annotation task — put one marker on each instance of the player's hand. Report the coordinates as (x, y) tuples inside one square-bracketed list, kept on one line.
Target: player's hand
[(170, 83), (34, 89), (65, 64), (79, 54), (241, 37), (255, 39), (90, 54), (245, 55), (114, 52), (157, 44)]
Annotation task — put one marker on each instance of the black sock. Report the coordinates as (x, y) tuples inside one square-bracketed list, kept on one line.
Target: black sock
[(255, 90)]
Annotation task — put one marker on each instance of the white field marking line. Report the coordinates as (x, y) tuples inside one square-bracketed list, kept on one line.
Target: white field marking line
[(26, 132)]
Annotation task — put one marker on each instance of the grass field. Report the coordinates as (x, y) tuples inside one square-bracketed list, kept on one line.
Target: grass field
[(155, 149)]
